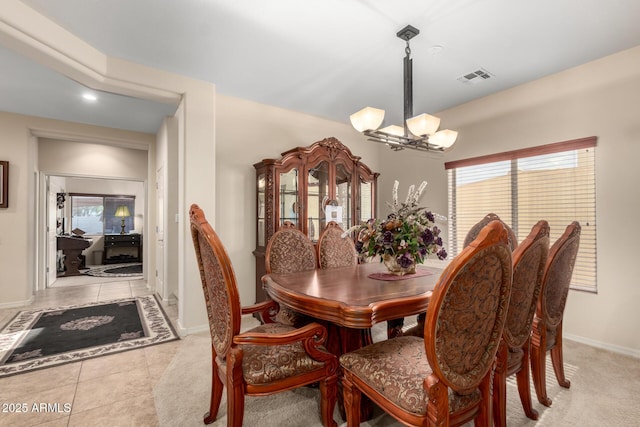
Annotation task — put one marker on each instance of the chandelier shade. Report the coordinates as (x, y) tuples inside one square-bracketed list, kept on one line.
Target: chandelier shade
[(367, 119), (423, 124), (444, 138), (417, 132)]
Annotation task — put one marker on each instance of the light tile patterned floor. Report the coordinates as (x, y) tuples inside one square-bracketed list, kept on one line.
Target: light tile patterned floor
[(113, 390)]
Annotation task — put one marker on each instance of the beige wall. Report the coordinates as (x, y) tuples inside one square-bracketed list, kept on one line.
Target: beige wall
[(600, 98), (246, 133)]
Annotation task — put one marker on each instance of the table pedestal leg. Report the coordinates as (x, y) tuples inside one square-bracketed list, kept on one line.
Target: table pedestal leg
[(342, 340)]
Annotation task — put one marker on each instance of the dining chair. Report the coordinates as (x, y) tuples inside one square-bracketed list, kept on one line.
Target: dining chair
[(418, 329), (445, 377), (288, 251), (529, 260), (335, 250), (547, 323), (267, 359), (473, 232)]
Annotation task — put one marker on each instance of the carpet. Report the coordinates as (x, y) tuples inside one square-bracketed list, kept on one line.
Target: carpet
[(299, 406), (119, 270), (43, 338)]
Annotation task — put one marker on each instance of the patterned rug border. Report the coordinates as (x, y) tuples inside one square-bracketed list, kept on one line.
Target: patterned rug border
[(99, 271), (152, 315)]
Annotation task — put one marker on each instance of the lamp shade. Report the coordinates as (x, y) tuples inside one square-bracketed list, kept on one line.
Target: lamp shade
[(444, 138), (424, 124), (122, 211), (393, 130), (367, 119)]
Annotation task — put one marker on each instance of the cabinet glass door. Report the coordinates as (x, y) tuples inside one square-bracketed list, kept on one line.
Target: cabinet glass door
[(366, 200), (317, 196), (343, 197), (261, 210), (289, 209)]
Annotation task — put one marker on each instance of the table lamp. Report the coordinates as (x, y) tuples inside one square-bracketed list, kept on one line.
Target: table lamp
[(122, 212)]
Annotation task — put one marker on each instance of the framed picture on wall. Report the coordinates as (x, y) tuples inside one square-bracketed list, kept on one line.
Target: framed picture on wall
[(4, 184)]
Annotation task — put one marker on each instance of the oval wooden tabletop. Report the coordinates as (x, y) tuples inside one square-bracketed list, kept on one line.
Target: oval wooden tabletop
[(349, 297)]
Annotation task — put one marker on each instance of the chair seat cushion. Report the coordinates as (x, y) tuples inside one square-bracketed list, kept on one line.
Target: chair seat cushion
[(514, 360), (396, 369), (263, 364)]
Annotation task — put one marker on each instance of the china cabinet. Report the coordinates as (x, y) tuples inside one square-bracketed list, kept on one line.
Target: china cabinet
[(311, 186)]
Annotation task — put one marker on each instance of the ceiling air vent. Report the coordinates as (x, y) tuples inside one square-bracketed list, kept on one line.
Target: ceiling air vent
[(477, 76)]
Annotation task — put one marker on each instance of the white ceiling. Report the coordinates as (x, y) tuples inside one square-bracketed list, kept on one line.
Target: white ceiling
[(327, 58)]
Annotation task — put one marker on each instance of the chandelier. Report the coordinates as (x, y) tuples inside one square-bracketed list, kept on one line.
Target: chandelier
[(419, 132)]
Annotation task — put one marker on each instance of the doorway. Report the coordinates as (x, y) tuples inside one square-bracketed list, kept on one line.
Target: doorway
[(60, 224)]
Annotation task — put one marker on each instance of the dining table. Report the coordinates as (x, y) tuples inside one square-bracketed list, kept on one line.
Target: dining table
[(348, 301)]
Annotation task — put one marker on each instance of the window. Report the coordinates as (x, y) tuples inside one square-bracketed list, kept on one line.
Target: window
[(555, 182), (95, 213)]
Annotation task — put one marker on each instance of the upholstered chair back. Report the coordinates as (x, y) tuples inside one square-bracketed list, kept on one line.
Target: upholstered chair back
[(529, 260), (218, 283), (557, 276), (468, 310), (335, 250), (289, 250), (473, 232)]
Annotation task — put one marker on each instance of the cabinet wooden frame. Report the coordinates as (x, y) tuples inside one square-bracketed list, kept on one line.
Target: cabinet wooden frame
[(305, 159)]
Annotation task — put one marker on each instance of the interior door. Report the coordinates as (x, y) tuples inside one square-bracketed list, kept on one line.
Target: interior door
[(160, 285), (52, 217)]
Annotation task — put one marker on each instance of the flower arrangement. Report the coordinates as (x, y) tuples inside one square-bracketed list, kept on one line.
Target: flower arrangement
[(405, 238)]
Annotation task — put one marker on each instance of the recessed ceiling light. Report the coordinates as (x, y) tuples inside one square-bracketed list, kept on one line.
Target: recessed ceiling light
[(87, 96)]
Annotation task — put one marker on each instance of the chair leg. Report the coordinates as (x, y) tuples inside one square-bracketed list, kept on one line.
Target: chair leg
[(438, 404), (524, 388), (558, 361), (499, 398), (235, 391), (394, 328), (485, 415), (328, 398), (538, 368), (217, 387), (352, 397)]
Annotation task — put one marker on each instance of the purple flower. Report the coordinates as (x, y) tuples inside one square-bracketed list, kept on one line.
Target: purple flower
[(442, 254), (423, 251), (430, 216), (439, 241), (405, 260), (359, 246), (427, 237), (387, 238)]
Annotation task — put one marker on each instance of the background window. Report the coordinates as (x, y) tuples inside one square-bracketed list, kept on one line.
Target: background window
[(95, 214), (554, 182)]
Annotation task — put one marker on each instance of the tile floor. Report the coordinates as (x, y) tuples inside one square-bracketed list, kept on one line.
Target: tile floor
[(113, 390)]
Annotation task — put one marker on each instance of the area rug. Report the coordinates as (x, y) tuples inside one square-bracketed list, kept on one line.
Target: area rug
[(119, 270), (39, 339)]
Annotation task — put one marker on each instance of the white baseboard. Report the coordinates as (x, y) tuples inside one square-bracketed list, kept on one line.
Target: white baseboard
[(13, 304), (182, 331), (603, 345)]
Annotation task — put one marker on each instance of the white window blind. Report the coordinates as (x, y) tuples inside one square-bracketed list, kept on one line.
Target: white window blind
[(555, 182)]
